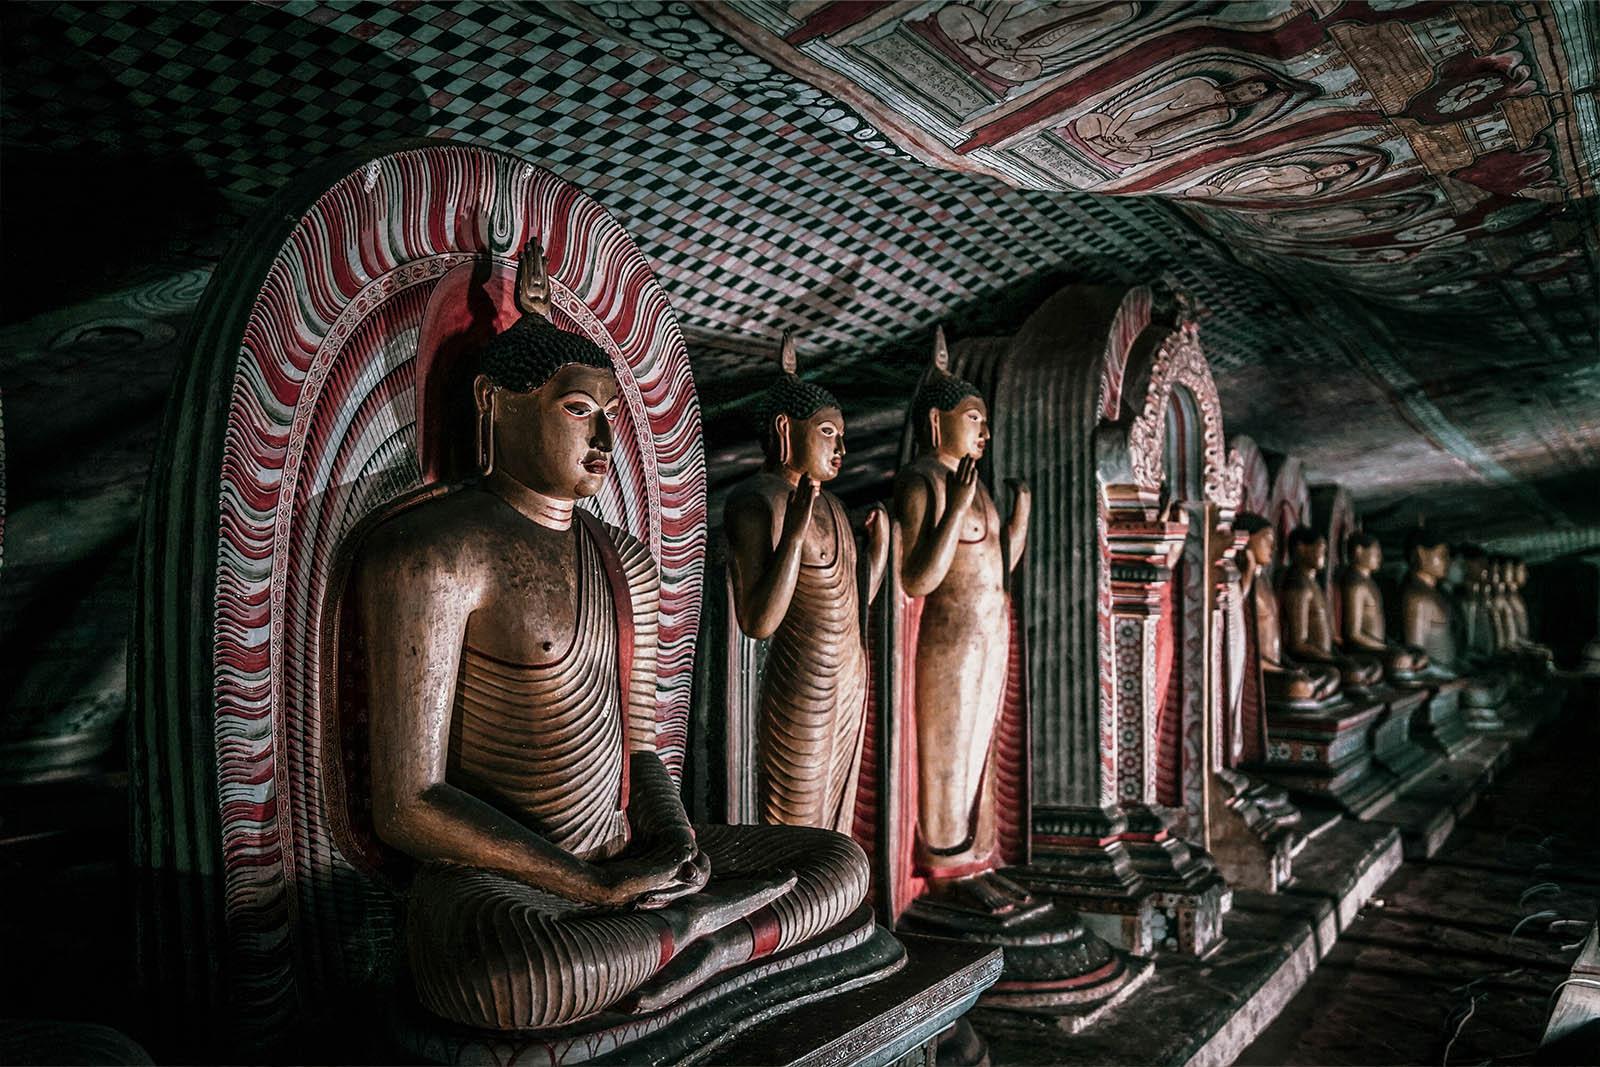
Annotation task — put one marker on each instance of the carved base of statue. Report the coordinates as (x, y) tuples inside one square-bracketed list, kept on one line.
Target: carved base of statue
[(1053, 963), (1394, 744), (1440, 723), (1324, 754), (852, 954), (1136, 883), (1255, 831)]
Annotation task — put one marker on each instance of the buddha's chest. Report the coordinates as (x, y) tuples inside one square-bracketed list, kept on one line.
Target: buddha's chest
[(530, 612)]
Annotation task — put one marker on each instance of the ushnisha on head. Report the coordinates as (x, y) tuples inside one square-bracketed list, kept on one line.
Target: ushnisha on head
[(547, 398), (950, 416), (802, 426), (1308, 548)]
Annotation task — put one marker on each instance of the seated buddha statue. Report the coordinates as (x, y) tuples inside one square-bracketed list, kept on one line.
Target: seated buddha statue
[(1283, 680), (1308, 636), (1426, 615), (792, 566), (510, 659), (1364, 628), (957, 555), (1517, 611)]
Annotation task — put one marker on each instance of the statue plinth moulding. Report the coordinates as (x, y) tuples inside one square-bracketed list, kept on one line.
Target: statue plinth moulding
[(323, 732), (948, 805), (1080, 397)]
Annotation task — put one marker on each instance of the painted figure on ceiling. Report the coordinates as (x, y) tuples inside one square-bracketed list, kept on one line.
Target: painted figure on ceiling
[(1173, 119), (1017, 42), (792, 564)]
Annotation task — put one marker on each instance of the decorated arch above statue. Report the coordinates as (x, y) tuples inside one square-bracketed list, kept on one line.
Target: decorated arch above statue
[(335, 328), (1089, 397)]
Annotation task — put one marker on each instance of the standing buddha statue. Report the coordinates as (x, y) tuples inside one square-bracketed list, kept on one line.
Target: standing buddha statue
[(509, 654), (957, 555), (792, 565)]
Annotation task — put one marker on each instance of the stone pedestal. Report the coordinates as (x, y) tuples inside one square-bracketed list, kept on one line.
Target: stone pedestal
[(1393, 742), (1438, 724), (1135, 883), (1325, 755)]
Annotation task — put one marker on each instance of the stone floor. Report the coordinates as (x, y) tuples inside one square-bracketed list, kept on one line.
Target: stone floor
[(1455, 960)]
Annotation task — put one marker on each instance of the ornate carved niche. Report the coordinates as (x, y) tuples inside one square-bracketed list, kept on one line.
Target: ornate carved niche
[(318, 388)]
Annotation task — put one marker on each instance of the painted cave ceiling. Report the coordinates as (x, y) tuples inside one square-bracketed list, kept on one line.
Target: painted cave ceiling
[(1385, 211)]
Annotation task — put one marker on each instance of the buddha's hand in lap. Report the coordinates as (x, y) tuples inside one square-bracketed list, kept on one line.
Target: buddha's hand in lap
[(661, 872)]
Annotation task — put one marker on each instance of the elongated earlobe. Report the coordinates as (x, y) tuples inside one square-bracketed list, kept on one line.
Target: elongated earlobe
[(780, 434), (933, 429)]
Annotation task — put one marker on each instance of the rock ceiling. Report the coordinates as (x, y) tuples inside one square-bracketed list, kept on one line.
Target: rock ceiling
[(1386, 211)]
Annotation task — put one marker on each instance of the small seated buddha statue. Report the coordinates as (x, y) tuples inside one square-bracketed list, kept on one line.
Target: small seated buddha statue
[(792, 565), (1517, 609), (1308, 637), (1283, 680), (957, 555), (510, 662), (1364, 628), (1426, 615)]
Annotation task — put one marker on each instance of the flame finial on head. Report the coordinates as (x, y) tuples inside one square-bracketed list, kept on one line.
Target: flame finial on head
[(533, 280), (941, 351), (787, 360), (941, 389)]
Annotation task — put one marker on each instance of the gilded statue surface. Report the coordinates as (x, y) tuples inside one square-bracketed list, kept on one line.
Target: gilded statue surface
[(1364, 627), (957, 553), (792, 566), (1308, 637), (1283, 680), (510, 660)]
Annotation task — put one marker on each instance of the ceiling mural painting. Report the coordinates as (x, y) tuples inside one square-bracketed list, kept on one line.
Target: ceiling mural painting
[(1413, 148), (770, 191)]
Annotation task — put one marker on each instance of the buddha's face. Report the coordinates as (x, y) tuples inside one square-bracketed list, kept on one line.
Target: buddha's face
[(558, 439), (814, 446), (1262, 544), (1432, 560), (1312, 555), (1519, 574), (1368, 557), (962, 431)]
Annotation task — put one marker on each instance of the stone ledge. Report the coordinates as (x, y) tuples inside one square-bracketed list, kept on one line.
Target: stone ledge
[(1201, 1012)]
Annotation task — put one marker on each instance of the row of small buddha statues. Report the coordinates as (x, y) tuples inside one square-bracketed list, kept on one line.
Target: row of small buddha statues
[(510, 648), (1306, 661)]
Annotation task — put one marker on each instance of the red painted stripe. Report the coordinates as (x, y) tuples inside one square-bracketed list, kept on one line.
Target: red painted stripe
[(830, 19)]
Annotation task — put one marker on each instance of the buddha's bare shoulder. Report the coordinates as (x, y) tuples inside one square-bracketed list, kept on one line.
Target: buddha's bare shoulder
[(437, 526), (924, 474)]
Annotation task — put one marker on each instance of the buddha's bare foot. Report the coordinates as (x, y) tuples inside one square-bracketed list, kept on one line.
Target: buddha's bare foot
[(693, 967), (974, 893), (1000, 883), (723, 903)]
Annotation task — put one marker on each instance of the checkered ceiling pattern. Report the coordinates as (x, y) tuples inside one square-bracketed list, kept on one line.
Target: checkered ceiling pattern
[(764, 204)]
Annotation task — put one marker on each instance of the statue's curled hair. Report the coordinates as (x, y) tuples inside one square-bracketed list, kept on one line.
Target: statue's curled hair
[(1249, 522), (528, 354), (941, 390), (789, 395)]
